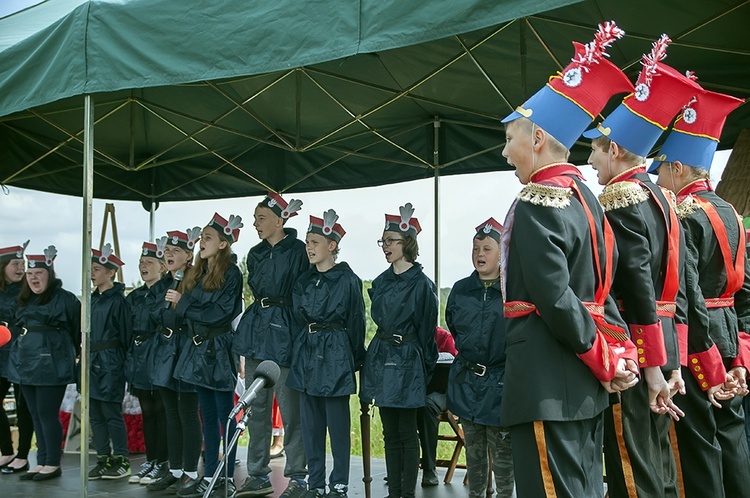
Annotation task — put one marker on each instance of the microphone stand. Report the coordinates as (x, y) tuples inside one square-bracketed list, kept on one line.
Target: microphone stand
[(241, 426)]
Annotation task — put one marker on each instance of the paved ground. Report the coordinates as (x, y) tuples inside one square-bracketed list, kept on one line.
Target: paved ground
[(68, 485)]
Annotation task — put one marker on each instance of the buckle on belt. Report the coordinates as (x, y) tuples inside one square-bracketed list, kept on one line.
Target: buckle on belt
[(309, 328), (398, 339), (263, 303), (197, 341), (137, 342), (484, 370), (171, 332), (24, 330)]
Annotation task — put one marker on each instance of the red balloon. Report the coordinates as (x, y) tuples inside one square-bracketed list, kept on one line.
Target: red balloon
[(4, 335)]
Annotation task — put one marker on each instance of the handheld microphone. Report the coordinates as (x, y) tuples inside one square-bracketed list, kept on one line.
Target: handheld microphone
[(265, 376), (175, 282)]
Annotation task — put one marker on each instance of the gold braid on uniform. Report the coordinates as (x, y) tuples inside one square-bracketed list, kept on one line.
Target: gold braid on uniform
[(687, 207), (671, 198), (622, 194), (546, 195)]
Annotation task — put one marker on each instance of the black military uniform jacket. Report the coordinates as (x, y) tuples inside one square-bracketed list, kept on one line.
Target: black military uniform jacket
[(44, 353), (474, 315), (641, 218), (402, 355), (329, 344), (555, 347), (206, 360), (143, 304), (265, 331), (697, 205), (110, 337), (7, 309)]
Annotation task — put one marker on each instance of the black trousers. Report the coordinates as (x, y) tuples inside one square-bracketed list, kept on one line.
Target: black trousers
[(23, 420), (44, 406), (634, 438), (562, 459), (401, 450), (184, 435), (108, 427), (154, 424), (318, 414), (427, 426)]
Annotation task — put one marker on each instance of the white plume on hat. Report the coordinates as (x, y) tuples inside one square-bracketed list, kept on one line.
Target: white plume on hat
[(406, 212), (292, 207)]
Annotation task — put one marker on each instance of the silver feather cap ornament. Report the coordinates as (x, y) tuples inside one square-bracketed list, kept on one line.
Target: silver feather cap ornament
[(105, 253), (193, 235), (329, 221), (161, 244), (406, 211), (49, 255), (292, 208)]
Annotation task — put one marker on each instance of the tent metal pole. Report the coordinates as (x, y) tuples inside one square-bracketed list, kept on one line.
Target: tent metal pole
[(151, 219), (436, 164), (88, 194)]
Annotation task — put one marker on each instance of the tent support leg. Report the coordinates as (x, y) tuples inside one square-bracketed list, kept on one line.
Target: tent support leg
[(88, 193), (436, 164)]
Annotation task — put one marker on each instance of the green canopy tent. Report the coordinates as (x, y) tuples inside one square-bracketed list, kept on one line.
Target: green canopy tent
[(195, 100)]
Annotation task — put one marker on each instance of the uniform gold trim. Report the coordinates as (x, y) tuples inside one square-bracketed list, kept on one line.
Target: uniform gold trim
[(687, 207), (671, 197), (546, 195), (622, 194), (627, 467), (541, 446)]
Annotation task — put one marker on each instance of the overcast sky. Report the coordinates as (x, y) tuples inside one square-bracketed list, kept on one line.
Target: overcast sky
[(466, 201)]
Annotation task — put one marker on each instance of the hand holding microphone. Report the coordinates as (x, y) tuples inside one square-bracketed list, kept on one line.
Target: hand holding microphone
[(266, 375), (175, 282)]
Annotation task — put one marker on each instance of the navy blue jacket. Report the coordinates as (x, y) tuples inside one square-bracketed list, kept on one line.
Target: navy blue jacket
[(110, 336), (7, 309), (143, 304), (172, 337), (207, 360), (324, 361), (396, 375), (474, 315), (265, 332), (46, 354)]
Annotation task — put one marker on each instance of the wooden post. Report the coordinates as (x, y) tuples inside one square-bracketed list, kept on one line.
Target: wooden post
[(109, 210)]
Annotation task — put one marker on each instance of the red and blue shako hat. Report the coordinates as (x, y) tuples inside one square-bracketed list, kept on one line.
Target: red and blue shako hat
[(280, 207), (45, 260), (327, 226), (229, 229), (12, 252), (568, 103), (184, 240), (696, 132), (490, 228), (404, 223), (660, 93), (154, 249), (106, 257)]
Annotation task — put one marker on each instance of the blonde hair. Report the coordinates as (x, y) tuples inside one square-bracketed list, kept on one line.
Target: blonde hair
[(629, 157)]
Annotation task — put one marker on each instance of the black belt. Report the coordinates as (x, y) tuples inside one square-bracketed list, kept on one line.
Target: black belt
[(139, 339), (397, 339), (39, 328), (215, 332), (317, 327), (479, 369), (167, 332), (100, 346), (265, 302)]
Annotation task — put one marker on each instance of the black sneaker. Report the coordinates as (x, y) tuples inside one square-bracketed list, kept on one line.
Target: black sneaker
[(255, 486), (429, 478), (163, 483), (194, 489), (221, 486), (187, 485), (119, 467), (314, 493), (157, 472), (102, 463), (295, 489), (146, 467), (338, 491)]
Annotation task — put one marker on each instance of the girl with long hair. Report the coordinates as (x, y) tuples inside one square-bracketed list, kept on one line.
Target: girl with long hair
[(207, 302)]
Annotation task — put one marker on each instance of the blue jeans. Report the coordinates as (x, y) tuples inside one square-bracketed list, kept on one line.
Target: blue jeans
[(215, 407)]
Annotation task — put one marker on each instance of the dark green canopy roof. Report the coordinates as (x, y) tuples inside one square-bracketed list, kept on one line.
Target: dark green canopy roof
[(200, 99)]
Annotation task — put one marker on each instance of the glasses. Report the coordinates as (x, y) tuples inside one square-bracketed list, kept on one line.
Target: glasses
[(387, 242)]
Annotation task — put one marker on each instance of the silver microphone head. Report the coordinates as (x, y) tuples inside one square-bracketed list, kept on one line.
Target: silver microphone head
[(178, 275), (269, 371)]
